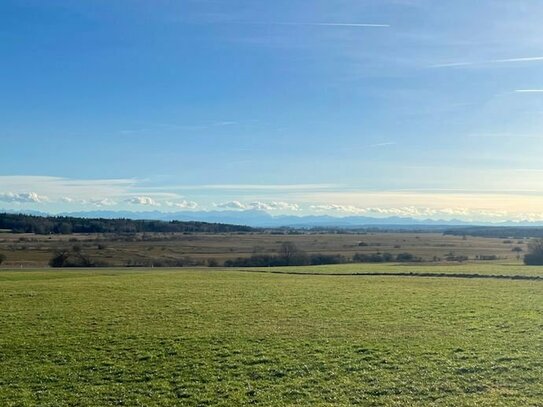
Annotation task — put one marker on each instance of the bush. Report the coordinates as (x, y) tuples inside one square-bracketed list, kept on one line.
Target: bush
[(405, 257), (212, 263), (319, 259), (373, 258), (459, 259), (487, 257), (2, 258)]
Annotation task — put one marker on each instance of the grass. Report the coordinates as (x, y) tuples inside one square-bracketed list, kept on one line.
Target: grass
[(227, 338)]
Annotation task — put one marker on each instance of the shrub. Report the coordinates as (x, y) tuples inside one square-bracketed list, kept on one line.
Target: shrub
[(487, 257), (319, 259), (212, 263), (405, 257), (2, 258), (457, 258), (373, 258)]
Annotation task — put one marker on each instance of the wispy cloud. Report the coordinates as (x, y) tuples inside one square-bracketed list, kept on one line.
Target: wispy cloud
[(250, 187), (488, 62), (529, 91), (385, 144), (505, 135), (316, 24)]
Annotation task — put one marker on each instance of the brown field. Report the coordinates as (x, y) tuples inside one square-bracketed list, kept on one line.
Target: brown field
[(24, 250)]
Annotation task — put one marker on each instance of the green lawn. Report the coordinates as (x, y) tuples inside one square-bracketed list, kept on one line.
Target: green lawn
[(228, 338)]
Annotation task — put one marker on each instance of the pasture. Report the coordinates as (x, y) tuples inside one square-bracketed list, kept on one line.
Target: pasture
[(207, 337)]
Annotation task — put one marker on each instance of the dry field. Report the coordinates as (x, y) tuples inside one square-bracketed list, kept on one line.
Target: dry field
[(24, 250)]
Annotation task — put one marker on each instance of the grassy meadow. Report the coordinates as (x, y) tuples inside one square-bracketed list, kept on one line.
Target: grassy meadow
[(180, 337)]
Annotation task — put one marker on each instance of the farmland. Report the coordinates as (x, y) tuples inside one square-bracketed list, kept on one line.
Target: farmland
[(227, 337)]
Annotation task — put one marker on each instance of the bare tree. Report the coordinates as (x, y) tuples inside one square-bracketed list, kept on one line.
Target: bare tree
[(292, 255)]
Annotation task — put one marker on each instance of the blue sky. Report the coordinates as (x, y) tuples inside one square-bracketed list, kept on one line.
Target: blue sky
[(378, 107)]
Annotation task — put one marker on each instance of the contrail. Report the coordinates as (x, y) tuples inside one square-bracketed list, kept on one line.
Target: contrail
[(322, 24), (492, 61)]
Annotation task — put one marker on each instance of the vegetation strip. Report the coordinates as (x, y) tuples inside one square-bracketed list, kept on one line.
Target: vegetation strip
[(402, 274)]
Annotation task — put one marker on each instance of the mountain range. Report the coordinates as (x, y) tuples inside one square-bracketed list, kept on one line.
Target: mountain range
[(256, 218)]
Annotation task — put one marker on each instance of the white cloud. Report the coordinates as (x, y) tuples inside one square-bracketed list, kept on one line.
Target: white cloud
[(347, 209), (253, 187), (101, 202), (143, 200), (25, 197), (231, 205), (259, 206), (419, 212), (273, 206), (182, 205)]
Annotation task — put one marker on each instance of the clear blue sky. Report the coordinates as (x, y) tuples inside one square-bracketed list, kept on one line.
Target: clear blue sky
[(410, 107)]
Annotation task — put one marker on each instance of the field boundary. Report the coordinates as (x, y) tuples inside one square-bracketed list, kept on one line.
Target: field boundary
[(402, 274)]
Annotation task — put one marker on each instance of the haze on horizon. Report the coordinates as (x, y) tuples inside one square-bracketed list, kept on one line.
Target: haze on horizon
[(368, 107)]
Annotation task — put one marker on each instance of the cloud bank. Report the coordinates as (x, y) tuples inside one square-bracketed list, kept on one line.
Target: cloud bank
[(24, 197)]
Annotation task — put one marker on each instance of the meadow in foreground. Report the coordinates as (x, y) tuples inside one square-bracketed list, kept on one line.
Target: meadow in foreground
[(199, 337)]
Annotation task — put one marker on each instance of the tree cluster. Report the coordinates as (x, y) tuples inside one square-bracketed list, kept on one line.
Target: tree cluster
[(534, 257), (19, 223), (71, 258)]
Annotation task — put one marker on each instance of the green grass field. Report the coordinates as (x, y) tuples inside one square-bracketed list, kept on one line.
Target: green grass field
[(229, 338)]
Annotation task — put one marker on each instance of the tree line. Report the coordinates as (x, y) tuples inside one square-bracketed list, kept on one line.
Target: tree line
[(45, 225), (501, 232), (290, 255)]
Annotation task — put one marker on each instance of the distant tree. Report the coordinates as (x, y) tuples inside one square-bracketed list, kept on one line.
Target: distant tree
[(534, 257), (292, 255), (2, 258), (517, 250), (65, 228), (73, 258), (59, 259)]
